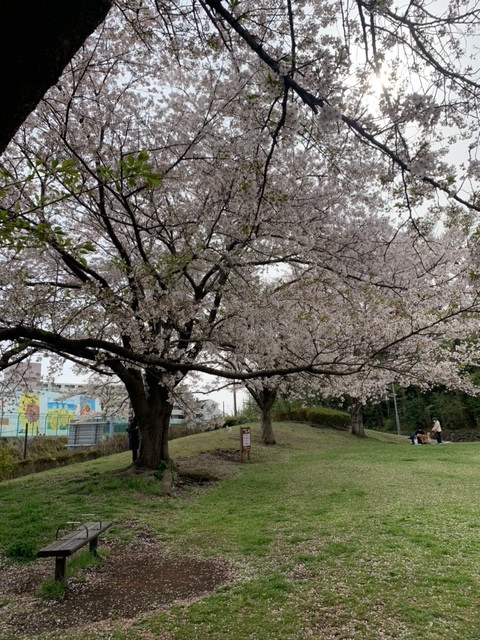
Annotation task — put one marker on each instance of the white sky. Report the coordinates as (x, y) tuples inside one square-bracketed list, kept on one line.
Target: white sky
[(225, 401)]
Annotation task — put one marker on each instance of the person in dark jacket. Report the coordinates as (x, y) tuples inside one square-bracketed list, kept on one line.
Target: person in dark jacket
[(133, 436)]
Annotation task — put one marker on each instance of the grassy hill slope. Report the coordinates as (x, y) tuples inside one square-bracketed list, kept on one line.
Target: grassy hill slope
[(332, 537)]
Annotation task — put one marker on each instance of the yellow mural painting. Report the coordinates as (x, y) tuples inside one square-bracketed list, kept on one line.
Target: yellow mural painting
[(58, 418), (29, 411)]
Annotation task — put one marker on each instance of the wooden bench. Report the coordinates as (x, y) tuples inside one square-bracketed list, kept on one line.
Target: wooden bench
[(65, 545)]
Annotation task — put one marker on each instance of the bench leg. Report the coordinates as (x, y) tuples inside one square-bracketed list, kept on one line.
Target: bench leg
[(60, 562), (93, 546)]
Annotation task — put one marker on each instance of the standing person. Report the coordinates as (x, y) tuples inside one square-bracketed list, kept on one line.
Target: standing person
[(133, 436), (437, 430)]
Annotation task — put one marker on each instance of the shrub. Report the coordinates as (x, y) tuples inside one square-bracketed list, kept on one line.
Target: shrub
[(117, 444), (182, 430), (51, 589), (296, 414), (7, 462), (231, 421), (42, 446), (331, 418), (299, 414), (45, 462), (251, 410), (22, 551)]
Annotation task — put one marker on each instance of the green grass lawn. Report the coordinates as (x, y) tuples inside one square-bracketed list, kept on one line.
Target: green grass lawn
[(333, 537)]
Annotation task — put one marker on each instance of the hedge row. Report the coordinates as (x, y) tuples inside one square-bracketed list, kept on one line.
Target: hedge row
[(12, 467), (316, 416), (43, 463)]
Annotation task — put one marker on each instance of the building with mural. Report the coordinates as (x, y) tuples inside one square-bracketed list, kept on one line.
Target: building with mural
[(42, 411), (29, 404)]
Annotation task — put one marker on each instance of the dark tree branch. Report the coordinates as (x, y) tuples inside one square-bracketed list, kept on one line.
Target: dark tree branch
[(317, 102)]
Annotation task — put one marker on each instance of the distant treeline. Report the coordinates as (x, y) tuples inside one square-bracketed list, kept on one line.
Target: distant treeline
[(458, 413)]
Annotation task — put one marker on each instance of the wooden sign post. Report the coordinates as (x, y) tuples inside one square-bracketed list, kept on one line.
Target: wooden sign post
[(245, 443)]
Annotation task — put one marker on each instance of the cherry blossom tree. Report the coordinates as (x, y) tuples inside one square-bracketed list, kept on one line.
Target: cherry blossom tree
[(390, 312), (410, 324), (123, 233)]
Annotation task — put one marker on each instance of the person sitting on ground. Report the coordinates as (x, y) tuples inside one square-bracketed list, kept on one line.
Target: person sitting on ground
[(414, 436)]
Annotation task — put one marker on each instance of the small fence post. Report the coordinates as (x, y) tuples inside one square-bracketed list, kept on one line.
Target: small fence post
[(25, 441)]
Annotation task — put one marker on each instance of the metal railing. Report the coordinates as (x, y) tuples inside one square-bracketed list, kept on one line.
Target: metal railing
[(15, 426)]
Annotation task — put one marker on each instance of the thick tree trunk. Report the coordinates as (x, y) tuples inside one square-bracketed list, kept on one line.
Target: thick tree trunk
[(154, 425), (265, 399), (356, 412), (152, 408), (267, 429)]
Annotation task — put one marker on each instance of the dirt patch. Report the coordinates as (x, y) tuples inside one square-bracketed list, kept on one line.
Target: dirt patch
[(217, 462), (205, 470), (132, 580)]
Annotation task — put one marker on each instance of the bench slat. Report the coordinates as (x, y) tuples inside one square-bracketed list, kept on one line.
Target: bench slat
[(73, 540)]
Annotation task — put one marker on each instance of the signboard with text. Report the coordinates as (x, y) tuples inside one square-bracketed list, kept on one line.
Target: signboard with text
[(245, 442)]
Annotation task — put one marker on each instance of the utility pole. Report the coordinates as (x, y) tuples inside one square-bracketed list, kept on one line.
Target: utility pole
[(397, 419)]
